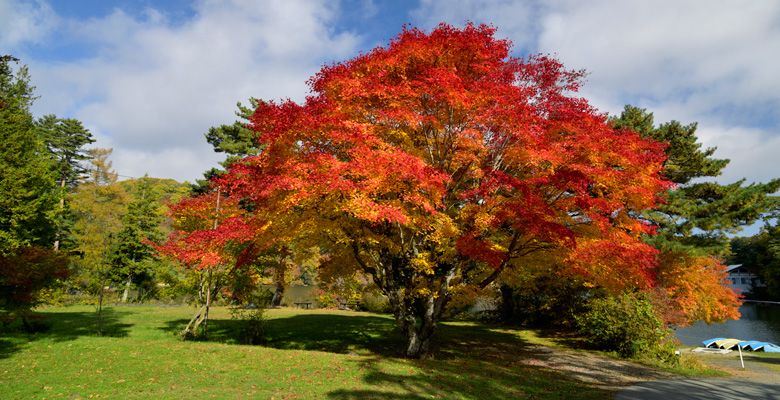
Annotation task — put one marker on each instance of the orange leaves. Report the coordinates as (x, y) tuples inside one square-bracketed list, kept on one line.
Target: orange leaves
[(697, 287), (198, 213), (616, 263)]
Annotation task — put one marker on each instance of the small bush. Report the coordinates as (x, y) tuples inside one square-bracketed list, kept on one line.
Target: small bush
[(326, 299), (375, 303), (252, 319), (628, 325), (54, 297), (252, 324)]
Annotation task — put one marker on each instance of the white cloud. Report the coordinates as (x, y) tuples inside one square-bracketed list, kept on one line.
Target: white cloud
[(517, 20), (175, 161), (711, 52), (714, 62), (154, 89), (25, 22), (151, 87), (753, 153)]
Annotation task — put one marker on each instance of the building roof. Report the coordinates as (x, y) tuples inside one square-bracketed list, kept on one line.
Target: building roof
[(731, 268)]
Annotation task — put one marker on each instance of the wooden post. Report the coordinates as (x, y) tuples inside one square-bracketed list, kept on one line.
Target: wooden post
[(740, 356)]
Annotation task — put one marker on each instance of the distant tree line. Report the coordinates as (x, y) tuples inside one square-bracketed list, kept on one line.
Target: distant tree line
[(66, 224)]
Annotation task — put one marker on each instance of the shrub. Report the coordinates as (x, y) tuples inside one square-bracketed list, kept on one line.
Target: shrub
[(375, 303), (628, 325), (54, 297), (326, 299), (251, 319), (25, 274)]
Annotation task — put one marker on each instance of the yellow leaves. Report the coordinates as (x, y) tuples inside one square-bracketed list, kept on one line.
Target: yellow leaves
[(444, 229), (421, 292), (483, 220), (422, 264), (399, 137), (499, 248)]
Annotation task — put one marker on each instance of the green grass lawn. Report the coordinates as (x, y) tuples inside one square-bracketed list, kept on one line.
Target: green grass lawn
[(305, 358)]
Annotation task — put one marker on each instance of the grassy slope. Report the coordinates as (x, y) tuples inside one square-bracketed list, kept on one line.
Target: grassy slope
[(305, 358)]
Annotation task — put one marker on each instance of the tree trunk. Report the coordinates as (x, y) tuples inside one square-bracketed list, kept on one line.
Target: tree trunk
[(276, 300), (420, 329), (507, 303), (386, 271), (208, 304), (279, 277), (419, 336), (62, 206), (127, 288)]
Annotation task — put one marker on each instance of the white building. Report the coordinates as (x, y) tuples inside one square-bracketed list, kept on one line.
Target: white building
[(741, 278)]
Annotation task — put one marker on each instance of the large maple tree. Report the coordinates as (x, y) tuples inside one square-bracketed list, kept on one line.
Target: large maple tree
[(438, 163)]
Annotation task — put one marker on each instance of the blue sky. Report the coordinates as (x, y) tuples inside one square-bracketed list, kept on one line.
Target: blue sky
[(148, 78)]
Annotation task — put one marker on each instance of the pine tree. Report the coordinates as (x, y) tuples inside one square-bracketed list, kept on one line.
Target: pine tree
[(64, 140), (27, 198), (28, 201), (698, 216), (761, 254), (236, 140), (132, 255)]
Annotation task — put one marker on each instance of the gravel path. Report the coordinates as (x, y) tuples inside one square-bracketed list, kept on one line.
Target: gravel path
[(753, 382), (602, 371), (631, 380)]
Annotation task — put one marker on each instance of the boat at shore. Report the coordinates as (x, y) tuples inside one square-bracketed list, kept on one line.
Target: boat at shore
[(747, 343), (751, 345), (772, 349), (764, 346)]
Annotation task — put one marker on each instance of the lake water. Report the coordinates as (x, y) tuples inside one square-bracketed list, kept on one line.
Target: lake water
[(299, 293), (758, 322)]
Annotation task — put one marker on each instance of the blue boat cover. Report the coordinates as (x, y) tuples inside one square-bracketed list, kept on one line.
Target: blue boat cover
[(771, 348), (747, 343), (760, 346), (755, 346)]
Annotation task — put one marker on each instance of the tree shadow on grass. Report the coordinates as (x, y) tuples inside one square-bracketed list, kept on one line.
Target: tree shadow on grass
[(492, 379), (60, 327), (336, 333), (328, 332), (363, 333), (563, 337), (470, 360)]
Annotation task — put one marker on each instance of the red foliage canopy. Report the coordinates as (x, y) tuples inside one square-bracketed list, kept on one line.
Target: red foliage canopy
[(439, 163), (445, 129)]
